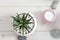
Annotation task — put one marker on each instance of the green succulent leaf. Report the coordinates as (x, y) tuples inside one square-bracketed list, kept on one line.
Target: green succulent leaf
[(29, 19), (23, 30), (27, 29), (29, 23), (14, 18), (26, 16), (23, 17)]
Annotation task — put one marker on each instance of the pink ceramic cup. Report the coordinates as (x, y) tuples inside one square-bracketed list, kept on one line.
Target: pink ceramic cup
[(48, 16)]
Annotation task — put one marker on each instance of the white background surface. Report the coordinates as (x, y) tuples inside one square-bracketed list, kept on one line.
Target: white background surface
[(10, 7)]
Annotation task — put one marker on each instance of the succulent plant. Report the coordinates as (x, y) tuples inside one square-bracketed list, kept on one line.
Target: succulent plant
[(23, 23)]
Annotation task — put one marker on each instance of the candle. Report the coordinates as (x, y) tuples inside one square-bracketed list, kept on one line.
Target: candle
[(48, 16)]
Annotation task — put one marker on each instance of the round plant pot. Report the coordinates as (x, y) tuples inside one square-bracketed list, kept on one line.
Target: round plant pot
[(25, 28), (48, 16)]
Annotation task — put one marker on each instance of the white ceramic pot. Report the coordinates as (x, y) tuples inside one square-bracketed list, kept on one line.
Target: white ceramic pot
[(33, 29)]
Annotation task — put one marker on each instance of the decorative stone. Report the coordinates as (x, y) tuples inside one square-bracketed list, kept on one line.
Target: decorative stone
[(55, 33), (22, 37)]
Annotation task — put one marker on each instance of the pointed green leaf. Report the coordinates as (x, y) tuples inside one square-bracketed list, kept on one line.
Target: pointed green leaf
[(16, 23), (27, 29), (26, 16), (29, 19), (23, 30), (15, 19), (29, 22), (23, 16)]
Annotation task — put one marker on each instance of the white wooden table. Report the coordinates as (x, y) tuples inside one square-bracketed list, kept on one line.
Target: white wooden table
[(10, 7)]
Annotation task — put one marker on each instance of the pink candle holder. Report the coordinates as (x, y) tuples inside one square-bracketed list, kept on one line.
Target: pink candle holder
[(48, 16)]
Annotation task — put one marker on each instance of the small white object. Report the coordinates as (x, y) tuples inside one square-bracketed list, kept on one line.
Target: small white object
[(49, 15)]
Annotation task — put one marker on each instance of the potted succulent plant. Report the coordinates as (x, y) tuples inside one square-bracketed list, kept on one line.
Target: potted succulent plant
[(24, 24)]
